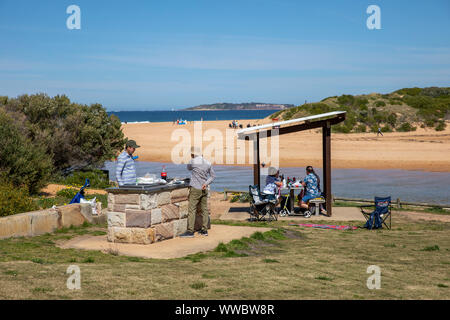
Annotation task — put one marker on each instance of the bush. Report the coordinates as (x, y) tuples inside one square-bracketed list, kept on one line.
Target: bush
[(15, 200), (346, 100), (22, 162), (361, 128), (386, 128), (409, 91), (392, 119), (405, 127), (441, 126), (380, 103), (75, 136)]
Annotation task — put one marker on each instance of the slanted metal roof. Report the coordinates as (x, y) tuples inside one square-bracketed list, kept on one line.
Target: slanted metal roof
[(281, 123)]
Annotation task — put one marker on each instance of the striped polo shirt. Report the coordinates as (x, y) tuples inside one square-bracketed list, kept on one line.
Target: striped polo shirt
[(125, 169)]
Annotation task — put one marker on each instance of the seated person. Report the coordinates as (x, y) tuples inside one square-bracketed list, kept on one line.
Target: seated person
[(272, 183), (311, 184)]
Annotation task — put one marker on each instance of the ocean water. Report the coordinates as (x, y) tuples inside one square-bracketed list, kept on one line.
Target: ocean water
[(410, 186), (169, 116)]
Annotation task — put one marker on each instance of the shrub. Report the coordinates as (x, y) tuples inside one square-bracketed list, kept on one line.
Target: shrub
[(380, 103), (386, 128), (361, 128), (392, 119), (409, 91), (346, 100), (75, 136), (22, 162), (405, 127), (441, 126), (14, 200)]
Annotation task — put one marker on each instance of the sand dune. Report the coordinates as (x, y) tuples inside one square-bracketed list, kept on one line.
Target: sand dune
[(424, 149)]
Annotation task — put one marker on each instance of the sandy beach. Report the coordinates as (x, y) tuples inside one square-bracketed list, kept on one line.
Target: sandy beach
[(424, 149)]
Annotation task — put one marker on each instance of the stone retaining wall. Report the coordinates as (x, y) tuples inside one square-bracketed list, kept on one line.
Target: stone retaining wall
[(144, 218), (35, 223)]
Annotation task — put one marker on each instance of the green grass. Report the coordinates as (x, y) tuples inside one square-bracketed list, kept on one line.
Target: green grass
[(288, 262), (271, 261), (431, 248), (323, 278), (198, 285)]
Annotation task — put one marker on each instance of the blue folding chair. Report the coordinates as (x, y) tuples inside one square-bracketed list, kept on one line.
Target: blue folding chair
[(80, 193), (376, 218)]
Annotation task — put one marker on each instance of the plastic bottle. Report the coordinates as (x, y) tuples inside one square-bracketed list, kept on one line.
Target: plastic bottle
[(164, 173)]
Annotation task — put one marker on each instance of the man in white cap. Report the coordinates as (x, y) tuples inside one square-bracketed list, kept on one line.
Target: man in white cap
[(201, 177)]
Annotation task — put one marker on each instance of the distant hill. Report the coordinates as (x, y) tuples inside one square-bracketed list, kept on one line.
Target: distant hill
[(241, 106), (401, 110)]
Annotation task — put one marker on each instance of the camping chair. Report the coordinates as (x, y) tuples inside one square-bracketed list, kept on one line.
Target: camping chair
[(80, 194), (378, 217), (262, 207)]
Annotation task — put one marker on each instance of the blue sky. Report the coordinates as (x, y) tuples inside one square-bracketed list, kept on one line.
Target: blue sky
[(144, 55)]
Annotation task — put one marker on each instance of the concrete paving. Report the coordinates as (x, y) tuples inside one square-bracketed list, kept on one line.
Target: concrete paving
[(168, 249)]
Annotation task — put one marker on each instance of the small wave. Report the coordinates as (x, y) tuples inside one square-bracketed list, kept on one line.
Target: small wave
[(133, 122)]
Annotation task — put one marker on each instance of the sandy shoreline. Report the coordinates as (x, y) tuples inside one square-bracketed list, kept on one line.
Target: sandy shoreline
[(424, 149)]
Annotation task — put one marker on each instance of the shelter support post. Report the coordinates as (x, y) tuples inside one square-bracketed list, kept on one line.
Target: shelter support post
[(256, 164), (326, 156)]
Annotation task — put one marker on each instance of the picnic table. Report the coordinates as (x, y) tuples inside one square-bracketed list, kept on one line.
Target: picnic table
[(291, 195)]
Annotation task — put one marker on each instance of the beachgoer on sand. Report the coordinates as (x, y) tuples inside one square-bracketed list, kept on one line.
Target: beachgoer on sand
[(379, 132), (125, 168), (202, 174)]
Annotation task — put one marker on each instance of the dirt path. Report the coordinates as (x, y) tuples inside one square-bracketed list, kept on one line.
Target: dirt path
[(52, 189)]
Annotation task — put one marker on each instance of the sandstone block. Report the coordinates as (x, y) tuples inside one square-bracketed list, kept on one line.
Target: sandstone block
[(179, 227), (86, 211), (110, 198), (126, 199), (170, 212), (179, 195), (138, 218), (117, 207), (71, 215), (142, 235), (18, 225), (164, 231), (44, 221), (131, 235), (156, 216), (148, 201), (119, 234), (184, 208), (163, 198), (116, 219)]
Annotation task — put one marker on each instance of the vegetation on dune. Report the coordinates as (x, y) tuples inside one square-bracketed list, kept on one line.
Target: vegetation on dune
[(401, 110)]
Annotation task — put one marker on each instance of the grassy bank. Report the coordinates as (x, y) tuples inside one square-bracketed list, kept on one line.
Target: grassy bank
[(288, 262)]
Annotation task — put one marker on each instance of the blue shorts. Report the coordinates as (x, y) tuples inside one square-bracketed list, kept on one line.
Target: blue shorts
[(308, 197)]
